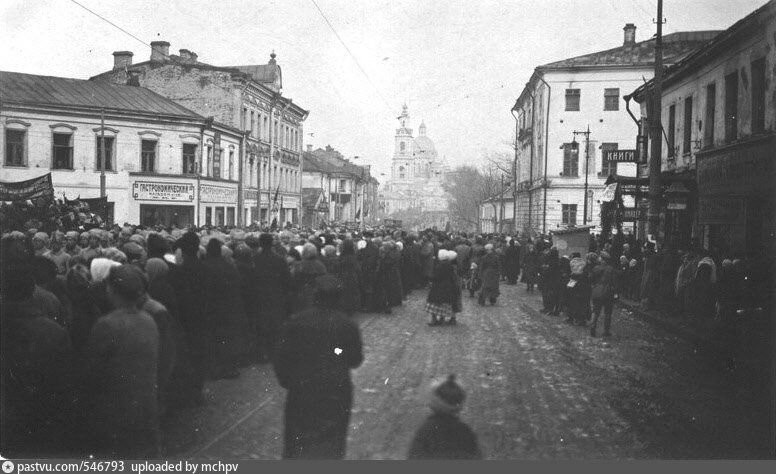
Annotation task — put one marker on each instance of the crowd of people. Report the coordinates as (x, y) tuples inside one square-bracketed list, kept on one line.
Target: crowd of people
[(108, 331)]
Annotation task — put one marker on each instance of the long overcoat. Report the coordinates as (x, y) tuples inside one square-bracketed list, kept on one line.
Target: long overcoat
[(319, 348)]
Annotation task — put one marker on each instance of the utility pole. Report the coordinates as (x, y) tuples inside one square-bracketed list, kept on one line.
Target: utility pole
[(655, 131), (102, 153), (574, 145)]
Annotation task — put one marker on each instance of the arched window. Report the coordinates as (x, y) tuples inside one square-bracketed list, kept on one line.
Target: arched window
[(402, 146), (401, 170)]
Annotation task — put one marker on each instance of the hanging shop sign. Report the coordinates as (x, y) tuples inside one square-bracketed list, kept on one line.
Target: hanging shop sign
[(156, 191), (620, 156), (209, 193), (633, 214)]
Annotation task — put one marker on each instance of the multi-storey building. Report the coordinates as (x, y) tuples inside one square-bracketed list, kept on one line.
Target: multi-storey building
[(576, 95), (717, 163), (153, 148), (336, 190), (248, 98)]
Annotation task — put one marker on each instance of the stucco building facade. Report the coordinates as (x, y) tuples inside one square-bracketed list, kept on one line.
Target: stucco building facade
[(248, 98)]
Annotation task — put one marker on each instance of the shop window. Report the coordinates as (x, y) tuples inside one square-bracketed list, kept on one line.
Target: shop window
[(148, 156), (572, 100), (229, 216), (569, 217), (758, 95), (219, 216), (109, 147), (189, 158), (62, 152), (608, 168), (208, 216), (570, 160), (671, 131), (731, 107), (711, 111), (612, 99), (687, 132), (15, 141)]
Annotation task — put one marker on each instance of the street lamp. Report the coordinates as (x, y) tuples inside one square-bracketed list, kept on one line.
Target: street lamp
[(575, 147)]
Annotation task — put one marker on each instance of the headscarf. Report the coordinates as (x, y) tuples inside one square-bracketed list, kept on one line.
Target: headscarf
[(100, 268)]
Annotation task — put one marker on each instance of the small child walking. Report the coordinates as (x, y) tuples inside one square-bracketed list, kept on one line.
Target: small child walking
[(443, 435)]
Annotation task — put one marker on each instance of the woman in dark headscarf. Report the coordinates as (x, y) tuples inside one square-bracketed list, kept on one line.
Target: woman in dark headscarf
[(350, 276)]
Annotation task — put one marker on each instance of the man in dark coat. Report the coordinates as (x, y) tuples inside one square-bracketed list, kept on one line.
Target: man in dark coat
[(273, 285), (512, 262), (369, 258), (319, 347), (490, 272), (190, 281)]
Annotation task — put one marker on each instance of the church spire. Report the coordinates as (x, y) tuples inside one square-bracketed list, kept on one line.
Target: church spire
[(404, 117)]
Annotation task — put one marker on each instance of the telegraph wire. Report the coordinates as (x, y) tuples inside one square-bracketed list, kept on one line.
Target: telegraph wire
[(323, 15), (113, 24)]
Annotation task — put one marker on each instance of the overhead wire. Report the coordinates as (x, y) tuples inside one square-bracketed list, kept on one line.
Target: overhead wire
[(353, 56)]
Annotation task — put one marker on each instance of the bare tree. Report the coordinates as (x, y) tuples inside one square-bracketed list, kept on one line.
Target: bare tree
[(469, 187)]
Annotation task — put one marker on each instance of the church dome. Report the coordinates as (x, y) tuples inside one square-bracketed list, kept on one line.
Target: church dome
[(423, 145)]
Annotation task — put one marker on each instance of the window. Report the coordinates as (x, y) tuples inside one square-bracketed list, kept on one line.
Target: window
[(671, 131), (711, 106), (687, 137), (401, 170), (608, 168), (266, 127), (731, 107), (570, 159), (209, 161), (109, 142), (14, 147), (612, 99), (231, 164), (230, 216), (62, 153), (572, 100), (253, 123), (569, 214), (259, 131), (217, 163), (342, 186), (244, 119), (758, 95), (189, 158), (148, 156), (402, 146)]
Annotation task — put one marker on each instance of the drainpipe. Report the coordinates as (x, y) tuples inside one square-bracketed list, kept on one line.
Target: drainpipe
[(546, 141), (240, 198), (199, 166), (531, 164), (514, 174)]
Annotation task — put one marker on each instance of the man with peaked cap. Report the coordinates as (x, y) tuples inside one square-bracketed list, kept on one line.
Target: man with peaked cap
[(121, 377), (71, 243)]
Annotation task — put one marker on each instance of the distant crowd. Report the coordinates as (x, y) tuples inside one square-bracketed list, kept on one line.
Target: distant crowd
[(107, 332)]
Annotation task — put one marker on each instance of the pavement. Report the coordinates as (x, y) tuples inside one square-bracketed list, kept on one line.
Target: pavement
[(537, 388)]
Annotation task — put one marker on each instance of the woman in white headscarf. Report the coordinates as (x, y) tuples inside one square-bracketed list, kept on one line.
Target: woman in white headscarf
[(445, 290)]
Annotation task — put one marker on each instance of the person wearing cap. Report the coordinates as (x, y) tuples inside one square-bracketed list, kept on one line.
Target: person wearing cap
[(319, 347), (604, 280), (273, 288), (121, 373), (57, 254), (443, 435), (92, 250), (71, 243), (40, 242), (489, 270)]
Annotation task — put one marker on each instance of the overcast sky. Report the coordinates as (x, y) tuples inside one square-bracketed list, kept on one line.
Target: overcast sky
[(459, 65)]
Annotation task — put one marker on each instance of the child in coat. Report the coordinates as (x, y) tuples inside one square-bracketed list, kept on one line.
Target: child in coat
[(443, 435)]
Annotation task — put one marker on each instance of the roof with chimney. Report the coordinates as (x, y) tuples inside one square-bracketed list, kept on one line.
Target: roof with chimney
[(30, 89), (639, 54)]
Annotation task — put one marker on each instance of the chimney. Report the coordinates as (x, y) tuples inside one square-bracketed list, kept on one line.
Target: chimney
[(630, 34), (309, 148), (122, 59), (160, 50), (188, 57)]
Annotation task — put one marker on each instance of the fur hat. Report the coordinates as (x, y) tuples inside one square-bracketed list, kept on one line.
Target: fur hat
[(447, 396)]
